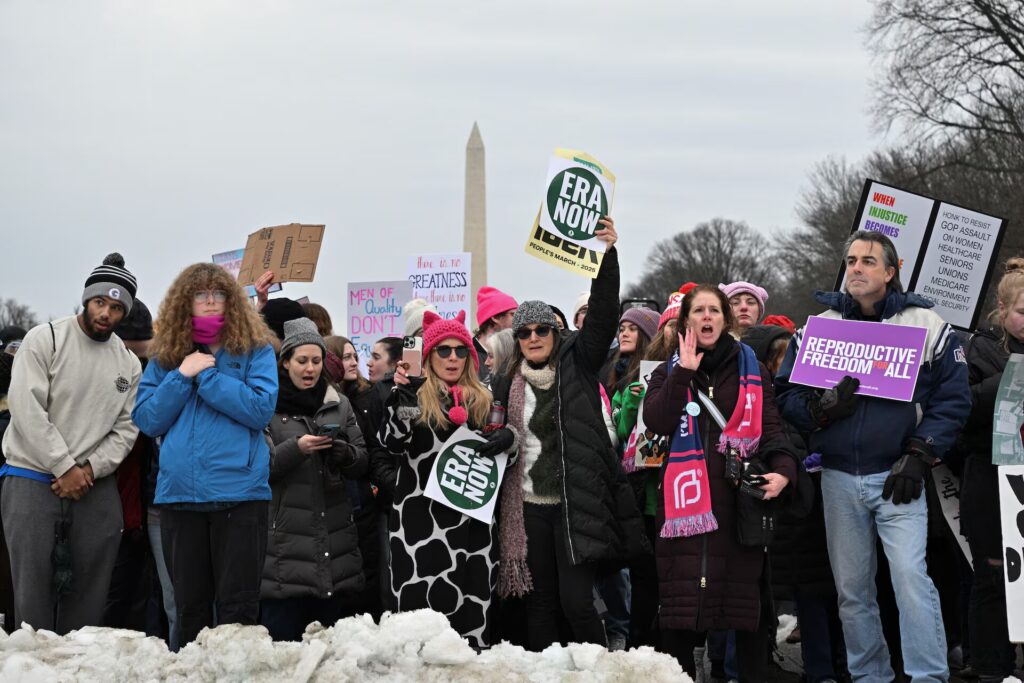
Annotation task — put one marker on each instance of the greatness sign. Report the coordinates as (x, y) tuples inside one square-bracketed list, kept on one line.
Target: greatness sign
[(885, 358)]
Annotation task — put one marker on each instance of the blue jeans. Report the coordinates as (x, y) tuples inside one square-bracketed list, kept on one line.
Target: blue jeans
[(855, 515), (153, 529)]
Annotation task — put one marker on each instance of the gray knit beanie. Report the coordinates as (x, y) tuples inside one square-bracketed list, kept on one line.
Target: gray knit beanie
[(299, 332), (112, 280), (533, 313)]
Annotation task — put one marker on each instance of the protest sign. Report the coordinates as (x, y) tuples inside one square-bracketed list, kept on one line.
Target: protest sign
[(648, 449), (947, 486), (885, 358), (946, 251), (958, 262), (1011, 511), (231, 261), (578, 192), (375, 312), (443, 280), (1008, 416), (291, 251), (901, 216), (464, 481)]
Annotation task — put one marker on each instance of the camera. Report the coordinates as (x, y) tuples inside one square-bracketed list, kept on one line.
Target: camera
[(733, 465), (411, 342)]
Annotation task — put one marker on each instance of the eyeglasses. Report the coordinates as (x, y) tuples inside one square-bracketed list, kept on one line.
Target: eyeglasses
[(219, 295), (461, 352), (525, 333)]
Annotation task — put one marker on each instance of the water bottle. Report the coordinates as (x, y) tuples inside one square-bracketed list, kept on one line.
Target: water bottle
[(495, 418)]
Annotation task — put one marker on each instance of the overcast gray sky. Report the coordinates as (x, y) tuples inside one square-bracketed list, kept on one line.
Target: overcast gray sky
[(170, 130)]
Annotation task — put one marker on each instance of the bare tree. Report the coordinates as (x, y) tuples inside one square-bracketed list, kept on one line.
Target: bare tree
[(719, 250), (809, 256), (951, 69), (18, 315)]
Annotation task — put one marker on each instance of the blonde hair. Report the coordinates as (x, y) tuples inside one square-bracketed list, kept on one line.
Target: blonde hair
[(476, 399), (243, 329), (1009, 288)]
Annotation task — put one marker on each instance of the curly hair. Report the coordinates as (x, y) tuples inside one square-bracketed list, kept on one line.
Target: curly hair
[(243, 330)]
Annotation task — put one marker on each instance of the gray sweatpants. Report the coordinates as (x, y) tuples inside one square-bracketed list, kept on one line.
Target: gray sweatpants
[(30, 511)]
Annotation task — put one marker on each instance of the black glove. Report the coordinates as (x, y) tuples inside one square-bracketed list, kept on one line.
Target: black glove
[(905, 482), (836, 403), (499, 441)]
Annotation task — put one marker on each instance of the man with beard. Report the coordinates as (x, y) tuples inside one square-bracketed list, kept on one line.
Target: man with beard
[(71, 396)]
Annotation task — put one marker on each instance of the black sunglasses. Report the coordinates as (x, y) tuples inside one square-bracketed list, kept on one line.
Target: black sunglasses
[(541, 330), (445, 351)]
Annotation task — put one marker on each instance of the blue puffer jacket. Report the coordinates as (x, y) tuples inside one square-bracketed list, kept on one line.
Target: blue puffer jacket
[(213, 448), (872, 439)]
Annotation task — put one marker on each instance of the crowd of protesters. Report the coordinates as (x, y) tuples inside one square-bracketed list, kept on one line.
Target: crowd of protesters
[(227, 462)]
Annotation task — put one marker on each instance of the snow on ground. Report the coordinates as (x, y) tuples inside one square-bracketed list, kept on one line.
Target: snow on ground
[(413, 646)]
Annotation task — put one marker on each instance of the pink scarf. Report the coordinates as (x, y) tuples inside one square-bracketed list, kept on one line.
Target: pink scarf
[(687, 491), (206, 330)]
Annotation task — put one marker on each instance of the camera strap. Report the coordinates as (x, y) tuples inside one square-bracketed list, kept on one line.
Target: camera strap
[(716, 414)]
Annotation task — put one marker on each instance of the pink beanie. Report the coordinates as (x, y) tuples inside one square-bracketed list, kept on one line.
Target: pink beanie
[(741, 287), (491, 302), (675, 302), (436, 329)]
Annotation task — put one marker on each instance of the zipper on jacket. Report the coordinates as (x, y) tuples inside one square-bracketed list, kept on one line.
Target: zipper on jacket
[(704, 538), (703, 577), (565, 491)]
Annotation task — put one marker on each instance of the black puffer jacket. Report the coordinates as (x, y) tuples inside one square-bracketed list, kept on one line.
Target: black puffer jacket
[(986, 359), (979, 492), (604, 523), (383, 465), (313, 548)]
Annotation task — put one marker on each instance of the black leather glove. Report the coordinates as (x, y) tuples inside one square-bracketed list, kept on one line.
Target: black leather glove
[(836, 403), (906, 480), (498, 441)]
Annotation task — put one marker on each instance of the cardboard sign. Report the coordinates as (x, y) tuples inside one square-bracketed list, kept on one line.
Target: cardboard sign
[(946, 251), (231, 261), (885, 358), (291, 251), (375, 312), (578, 192), (1011, 506), (443, 280), (947, 485), (1008, 416), (464, 481)]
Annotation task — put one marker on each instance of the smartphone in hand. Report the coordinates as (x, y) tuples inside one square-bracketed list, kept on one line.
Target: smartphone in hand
[(330, 430), (412, 353)]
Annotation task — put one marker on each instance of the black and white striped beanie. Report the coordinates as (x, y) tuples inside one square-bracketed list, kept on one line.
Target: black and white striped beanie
[(112, 280)]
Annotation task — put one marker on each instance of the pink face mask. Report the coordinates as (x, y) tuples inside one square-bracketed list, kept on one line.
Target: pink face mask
[(206, 330)]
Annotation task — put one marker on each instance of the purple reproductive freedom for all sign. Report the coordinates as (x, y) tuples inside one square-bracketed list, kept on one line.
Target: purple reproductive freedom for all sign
[(885, 358)]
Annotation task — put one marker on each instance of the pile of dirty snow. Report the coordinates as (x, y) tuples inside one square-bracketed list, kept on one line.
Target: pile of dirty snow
[(414, 646)]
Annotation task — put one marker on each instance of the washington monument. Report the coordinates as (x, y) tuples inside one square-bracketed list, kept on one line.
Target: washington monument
[(474, 238)]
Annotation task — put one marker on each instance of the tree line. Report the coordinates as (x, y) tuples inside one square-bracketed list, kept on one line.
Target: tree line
[(950, 83)]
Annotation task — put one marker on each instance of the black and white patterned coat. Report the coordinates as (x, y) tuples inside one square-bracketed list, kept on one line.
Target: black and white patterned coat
[(440, 558)]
